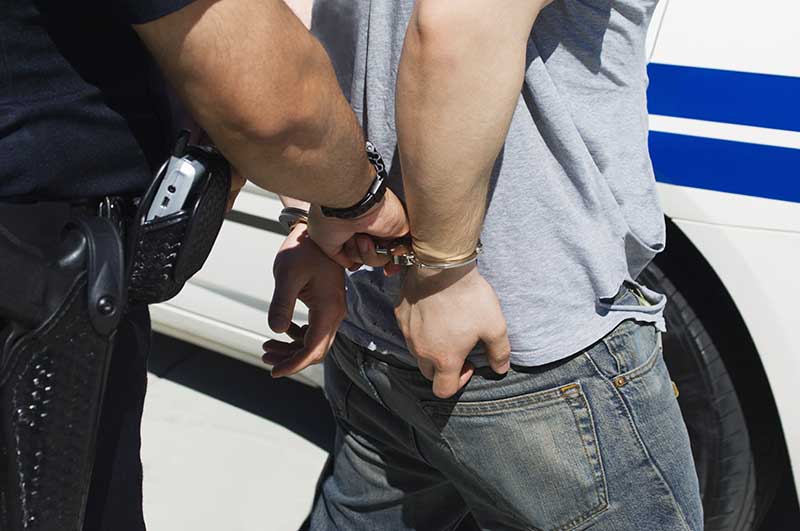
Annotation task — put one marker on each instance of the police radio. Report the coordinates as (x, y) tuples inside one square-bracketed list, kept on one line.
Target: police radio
[(177, 222)]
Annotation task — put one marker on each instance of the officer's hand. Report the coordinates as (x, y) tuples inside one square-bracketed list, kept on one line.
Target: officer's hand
[(303, 272), (387, 220), (237, 183), (443, 315)]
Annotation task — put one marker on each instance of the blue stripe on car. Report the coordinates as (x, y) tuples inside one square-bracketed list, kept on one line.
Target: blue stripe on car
[(724, 96), (735, 167)]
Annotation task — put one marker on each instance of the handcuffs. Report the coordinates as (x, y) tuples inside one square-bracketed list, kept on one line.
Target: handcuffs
[(290, 216), (409, 258)]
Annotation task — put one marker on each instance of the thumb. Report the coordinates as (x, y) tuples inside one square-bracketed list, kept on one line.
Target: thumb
[(281, 307)]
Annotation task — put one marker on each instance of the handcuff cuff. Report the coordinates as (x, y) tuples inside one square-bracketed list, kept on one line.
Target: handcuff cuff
[(409, 258)]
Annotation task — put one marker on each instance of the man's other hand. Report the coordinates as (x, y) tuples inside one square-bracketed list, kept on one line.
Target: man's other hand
[(443, 315), (387, 220), (303, 272)]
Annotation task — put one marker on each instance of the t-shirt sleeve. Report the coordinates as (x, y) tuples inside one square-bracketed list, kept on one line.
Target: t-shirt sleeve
[(141, 11)]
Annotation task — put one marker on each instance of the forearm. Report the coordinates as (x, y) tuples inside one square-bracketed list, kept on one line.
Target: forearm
[(459, 81), (265, 91)]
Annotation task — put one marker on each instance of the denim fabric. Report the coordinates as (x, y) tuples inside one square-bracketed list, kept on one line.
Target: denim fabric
[(595, 441)]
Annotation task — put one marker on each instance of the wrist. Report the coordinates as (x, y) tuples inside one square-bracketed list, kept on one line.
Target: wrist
[(296, 234), (425, 282), (357, 190), (440, 257), (298, 228)]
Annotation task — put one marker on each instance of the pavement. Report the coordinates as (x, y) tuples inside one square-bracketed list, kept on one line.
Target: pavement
[(225, 447)]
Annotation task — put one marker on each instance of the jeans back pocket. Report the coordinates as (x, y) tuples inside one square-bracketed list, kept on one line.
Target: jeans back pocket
[(535, 455)]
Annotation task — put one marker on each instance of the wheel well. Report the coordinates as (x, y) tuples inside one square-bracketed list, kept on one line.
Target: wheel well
[(694, 277)]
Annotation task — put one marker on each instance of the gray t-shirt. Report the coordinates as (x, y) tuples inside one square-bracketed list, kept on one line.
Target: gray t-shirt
[(573, 211)]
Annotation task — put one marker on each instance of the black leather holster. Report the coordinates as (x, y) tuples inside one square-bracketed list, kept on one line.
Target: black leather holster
[(55, 355), (60, 305)]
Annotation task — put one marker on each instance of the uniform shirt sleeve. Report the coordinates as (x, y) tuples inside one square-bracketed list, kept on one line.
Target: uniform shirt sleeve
[(142, 11)]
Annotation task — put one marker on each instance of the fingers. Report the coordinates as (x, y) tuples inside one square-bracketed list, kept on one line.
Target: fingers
[(360, 249), (281, 308), (392, 269), (498, 348), (426, 368), (350, 250), (297, 333), (466, 373), (280, 348), (449, 378), (366, 250), (446, 382), (276, 351), (341, 258), (319, 336)]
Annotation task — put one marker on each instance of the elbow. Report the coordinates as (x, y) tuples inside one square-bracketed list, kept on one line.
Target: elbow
[(442, 37), (430, 40), (447, 36), (274, 114), (272, 124)]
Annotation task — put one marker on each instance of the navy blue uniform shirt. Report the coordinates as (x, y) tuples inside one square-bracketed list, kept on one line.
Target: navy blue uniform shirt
[(83, 111)]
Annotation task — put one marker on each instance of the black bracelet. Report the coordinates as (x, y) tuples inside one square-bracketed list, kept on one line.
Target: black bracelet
[(373, 196)]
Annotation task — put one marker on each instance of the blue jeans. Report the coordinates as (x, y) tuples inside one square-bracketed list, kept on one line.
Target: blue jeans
[(595, 441)]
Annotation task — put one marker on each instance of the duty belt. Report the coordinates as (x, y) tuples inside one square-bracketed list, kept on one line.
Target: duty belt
[(59, 310)]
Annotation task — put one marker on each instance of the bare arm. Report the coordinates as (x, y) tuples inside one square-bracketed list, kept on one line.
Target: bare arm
[(459, 81), (264, 90)]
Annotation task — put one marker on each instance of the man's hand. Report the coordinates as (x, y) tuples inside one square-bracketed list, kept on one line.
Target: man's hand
[(303, 272), (443, 315), (387, 220)]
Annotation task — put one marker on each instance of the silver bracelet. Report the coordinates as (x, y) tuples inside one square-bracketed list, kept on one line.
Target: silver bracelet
[(291, 216)]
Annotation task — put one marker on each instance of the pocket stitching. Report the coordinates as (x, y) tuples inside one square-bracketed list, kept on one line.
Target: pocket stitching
[(636, 372), (502, 405), (574, 396), (632, 423), (599, 470), (645, 367)]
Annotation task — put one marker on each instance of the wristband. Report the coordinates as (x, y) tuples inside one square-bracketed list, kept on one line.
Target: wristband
[(373, 196)]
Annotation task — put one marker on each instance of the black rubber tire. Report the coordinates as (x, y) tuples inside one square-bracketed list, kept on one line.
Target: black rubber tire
[(712, 412)]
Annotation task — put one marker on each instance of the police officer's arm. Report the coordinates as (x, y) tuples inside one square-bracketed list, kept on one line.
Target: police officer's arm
[(459, 81), (263, 88)]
